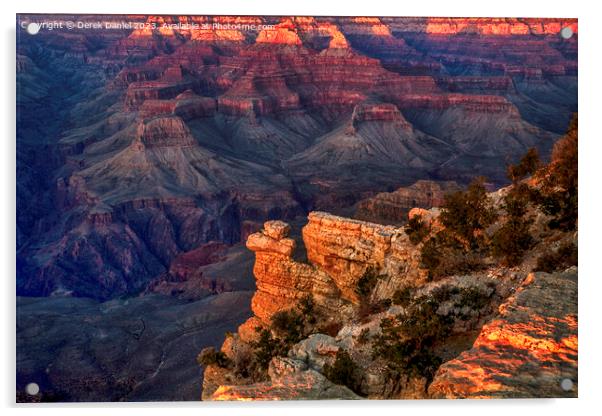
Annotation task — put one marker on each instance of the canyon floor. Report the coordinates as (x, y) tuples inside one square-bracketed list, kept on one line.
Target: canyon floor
[(136, 349)]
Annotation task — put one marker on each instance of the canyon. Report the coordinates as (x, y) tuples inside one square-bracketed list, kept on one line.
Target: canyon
[(148, 162), (521, 342)]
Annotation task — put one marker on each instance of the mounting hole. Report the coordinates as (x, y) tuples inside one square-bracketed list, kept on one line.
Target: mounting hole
[(32, 389), (33, 28), (566, 384), (566, 33)]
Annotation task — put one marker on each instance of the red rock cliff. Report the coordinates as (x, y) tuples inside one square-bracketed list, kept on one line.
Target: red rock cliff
[(536, 325), (339, 251)]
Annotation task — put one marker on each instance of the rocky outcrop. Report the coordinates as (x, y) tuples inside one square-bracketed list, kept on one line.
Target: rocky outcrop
[(393, 207), (282, 281), (283, 34), (187, 105), (378, 112), (287, 382), (528, 350), (510, 334), (296, 377), (165, 132), (136, 147), (339, 252), (345, 248)]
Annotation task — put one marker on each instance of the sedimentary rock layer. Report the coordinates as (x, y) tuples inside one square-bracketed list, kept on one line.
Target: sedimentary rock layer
[(395, 206), (528, 350)]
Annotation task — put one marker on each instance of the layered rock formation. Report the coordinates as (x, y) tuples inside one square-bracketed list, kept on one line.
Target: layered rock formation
[(281, 281), (345, 248), (528, 350), (165, 131), (138, 148), (393, 207), (339, 252), (510, 334)]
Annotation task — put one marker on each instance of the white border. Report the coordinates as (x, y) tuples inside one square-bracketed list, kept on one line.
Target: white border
[(590, 66)]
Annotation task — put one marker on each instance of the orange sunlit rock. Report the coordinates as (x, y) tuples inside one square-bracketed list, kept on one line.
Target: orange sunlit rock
[(283, 33), (497, 26), (291, 386), (526, 351)]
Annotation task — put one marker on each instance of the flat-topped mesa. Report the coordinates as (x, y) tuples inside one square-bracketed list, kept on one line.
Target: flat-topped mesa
[(488, 104), (365, 26), (320, 35), (165, 132), (378, 112), (337, 40)]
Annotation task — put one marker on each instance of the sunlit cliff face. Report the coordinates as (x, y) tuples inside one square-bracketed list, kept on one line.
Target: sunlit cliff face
[(533, 342), (512, 346), (284, 34), (493, 26)]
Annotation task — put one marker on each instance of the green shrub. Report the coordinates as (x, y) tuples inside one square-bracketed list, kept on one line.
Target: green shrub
[(307, 309), (466, 214), (403, 296), (473, 297), (407, 356), (510, 242), (366, 283), (460, 246), (289, 327), (559, 192), (364, 288), (407, 341), (267, 347), (561, 259), (343, 371), (417, 229), (444, 255), (209, 356), (528, 165)]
